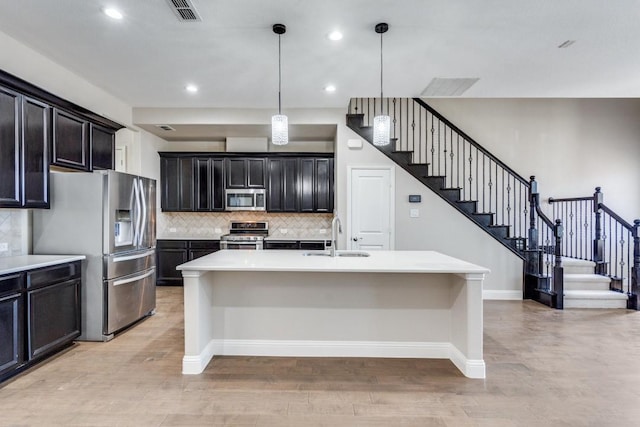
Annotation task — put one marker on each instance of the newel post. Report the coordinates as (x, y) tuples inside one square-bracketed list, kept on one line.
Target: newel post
[(598, 242), (634, 298), (558, 271), (533, 262)]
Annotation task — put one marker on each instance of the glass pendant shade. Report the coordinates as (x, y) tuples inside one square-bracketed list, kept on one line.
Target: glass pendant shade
[(381, 130), (279, 129)]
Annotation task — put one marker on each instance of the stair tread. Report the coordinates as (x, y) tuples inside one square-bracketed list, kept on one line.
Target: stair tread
[(586, 277), (584, 294)]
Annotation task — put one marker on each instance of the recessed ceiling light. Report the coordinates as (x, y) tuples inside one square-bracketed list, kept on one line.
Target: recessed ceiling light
[(334, 35), (330, 88), (112, 13), (191, 88)]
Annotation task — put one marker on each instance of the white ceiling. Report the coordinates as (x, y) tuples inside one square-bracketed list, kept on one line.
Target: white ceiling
[(147, 58)]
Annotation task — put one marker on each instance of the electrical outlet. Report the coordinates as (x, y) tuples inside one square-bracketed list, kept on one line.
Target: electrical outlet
[(414, 213), (217, 230), (323, 231), (172, 230), (4, 247), (284, 230)]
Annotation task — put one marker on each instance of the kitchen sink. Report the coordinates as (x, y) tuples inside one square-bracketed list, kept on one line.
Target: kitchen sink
[(316, 254), (356, 254), (353, 254)]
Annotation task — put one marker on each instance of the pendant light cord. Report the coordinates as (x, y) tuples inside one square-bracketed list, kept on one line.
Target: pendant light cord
[(381, 105), (279, 78)]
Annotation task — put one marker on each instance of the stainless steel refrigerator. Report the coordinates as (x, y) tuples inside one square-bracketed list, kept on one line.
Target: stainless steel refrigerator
[(108, 216)]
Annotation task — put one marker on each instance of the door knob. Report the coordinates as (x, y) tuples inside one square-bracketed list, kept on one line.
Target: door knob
[(355, 239)]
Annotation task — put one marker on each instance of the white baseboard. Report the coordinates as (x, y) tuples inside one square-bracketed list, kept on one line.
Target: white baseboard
[(471, 368), (194, 365), (501, 295), (299, 348)]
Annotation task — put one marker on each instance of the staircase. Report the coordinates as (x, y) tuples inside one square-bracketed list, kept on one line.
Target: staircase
[(506, 206), (583, 288)]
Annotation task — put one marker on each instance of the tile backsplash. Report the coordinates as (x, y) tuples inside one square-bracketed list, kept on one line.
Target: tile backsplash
[(13, 229), (203, 225)]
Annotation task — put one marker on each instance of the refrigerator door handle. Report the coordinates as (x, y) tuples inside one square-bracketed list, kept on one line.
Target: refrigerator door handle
[(143, 216), (130, 257), (138, 215), (133, 279)]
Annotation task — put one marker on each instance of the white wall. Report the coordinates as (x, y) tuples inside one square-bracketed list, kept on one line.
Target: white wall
[(570, 145), (37, 69), (440, 227)]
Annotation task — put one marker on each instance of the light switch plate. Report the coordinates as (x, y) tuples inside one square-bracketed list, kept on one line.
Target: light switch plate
[(414, 213), (4, 247)]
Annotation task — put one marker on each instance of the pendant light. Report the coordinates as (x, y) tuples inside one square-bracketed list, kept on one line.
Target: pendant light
[(279, 122), (381, 122)]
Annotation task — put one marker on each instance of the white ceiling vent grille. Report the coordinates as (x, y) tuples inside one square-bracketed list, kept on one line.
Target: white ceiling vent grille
[(184, 10), (166, 127), (448, 87)]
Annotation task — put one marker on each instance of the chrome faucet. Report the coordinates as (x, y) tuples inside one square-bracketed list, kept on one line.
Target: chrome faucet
[(334, 234)]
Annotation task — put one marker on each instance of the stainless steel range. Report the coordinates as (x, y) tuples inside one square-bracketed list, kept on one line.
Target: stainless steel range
[(248, 235)]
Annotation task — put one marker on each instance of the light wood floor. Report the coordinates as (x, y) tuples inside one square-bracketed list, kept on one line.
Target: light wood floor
[(586, 372)]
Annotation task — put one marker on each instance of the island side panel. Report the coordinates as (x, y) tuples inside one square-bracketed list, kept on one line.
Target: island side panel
[(198, 325), (330, 314), (467, 324)]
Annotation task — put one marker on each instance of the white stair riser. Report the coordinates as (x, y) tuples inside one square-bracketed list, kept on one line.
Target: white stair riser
[(585, 286), (594, 303), (575, 269)]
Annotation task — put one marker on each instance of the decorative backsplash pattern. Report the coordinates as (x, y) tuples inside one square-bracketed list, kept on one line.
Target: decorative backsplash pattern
[(209, 224), (12, 226)]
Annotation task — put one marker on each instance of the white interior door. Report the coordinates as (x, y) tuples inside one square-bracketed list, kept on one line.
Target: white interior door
[(371, 209)]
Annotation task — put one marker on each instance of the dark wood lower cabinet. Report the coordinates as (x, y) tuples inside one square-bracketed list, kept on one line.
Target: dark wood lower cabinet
[(39, 315), (11, 333), (172, 253), (309, 245), (54, 317)]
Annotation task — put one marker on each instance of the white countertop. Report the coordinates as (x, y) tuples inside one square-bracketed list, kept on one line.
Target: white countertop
[(287, 237), (15, 264), (175, 236), (291, 261)]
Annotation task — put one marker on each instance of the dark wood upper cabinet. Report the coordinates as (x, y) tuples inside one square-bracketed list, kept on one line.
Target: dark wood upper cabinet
[(209, 184), (24, 148), (35, 154), (316, 185), (177, 184), (282, 185), (70, 144), (9, 148), (295, 182), (245, 172), (103, 145)]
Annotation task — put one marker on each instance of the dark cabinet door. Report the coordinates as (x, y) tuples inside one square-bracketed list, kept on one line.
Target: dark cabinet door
[(35, 153), (217, 184), (70, 146), (177, 181), (256, 173), (306, 185), (236, 173), (9, 148), (53, 317), (316, 185), (103, 145), (209, 184), (282, 184), (246, 173), (323, 185), (169, 255), (11, 332)]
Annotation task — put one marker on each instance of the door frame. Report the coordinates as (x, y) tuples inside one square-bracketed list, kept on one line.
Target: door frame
[(392, 198)]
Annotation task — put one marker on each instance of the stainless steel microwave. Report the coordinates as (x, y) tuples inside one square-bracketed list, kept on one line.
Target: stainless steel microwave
[(248, 199)]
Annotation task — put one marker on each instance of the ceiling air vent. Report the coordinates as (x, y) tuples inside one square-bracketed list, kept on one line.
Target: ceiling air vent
[(166, 127), (448, 86), (184, 10)]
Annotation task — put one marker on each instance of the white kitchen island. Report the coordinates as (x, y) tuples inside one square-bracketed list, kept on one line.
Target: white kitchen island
[(413, 304)]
